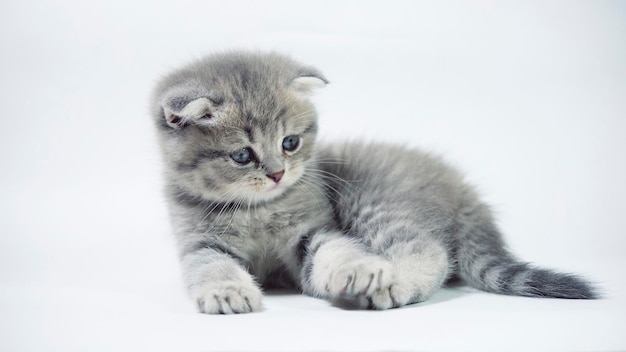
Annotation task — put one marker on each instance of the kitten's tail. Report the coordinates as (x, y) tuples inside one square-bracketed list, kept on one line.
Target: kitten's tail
[(483, 262)]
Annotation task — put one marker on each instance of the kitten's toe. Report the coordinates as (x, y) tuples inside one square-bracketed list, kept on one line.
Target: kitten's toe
[(393, 296), (228, 298), (362, 276), (382, 299)]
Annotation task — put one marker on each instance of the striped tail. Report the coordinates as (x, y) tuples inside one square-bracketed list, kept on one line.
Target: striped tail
[(484, 263)]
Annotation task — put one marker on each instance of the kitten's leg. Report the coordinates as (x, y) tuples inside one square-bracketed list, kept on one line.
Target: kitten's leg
[(421, 266), (347, 271), (336, 267), (218, 283), (344, 270)]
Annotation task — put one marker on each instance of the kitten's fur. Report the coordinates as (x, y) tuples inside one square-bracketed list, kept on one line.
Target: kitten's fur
[(369, 225)]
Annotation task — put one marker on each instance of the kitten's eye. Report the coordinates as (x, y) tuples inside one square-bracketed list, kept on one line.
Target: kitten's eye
[(290, 143), (242, 156)]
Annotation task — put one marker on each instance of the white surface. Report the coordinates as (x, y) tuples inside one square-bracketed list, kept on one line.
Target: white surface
[(528, 98)]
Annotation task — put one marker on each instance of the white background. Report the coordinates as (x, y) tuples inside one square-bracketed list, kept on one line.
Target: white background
[(527, 98)]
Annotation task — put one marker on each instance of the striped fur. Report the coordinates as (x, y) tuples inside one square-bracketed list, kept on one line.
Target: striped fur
[(364, 225)]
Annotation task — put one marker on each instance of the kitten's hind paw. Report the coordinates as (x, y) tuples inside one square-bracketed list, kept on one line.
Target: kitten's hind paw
[(228, 298)]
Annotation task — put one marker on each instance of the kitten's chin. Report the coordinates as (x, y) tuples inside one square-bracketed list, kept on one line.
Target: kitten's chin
[(271, 193)]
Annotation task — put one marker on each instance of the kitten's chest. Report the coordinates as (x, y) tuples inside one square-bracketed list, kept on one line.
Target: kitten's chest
[(267, 227), (273, 230), (268, 236)]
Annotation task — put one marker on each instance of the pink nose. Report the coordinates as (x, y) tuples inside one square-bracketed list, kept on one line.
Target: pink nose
[(277, 176)]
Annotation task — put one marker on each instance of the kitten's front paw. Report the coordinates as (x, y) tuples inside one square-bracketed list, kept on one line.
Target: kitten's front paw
[(362, 282), (228, 298), (362, 276)]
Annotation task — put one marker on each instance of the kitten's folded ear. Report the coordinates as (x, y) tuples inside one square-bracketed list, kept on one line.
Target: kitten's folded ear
[(181, 109), (306, 84)]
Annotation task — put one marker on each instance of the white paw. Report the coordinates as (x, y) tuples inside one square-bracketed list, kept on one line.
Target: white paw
[(362, 276), (367, 281), (396, 295), (230, 297), (347, 275)]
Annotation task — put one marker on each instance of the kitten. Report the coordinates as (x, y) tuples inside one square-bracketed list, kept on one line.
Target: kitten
[(255, 202)]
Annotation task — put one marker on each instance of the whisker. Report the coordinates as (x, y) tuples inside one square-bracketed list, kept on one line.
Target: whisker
[(316, 159), (330, 175), (316, 188), (325, 177), (320, 183), (330, 162), (206, 210), (235, 212), (219, 215)]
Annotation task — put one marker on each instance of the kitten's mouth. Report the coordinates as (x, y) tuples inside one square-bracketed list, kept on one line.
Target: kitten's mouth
[(269, 192), (276, 185), (274, 190)]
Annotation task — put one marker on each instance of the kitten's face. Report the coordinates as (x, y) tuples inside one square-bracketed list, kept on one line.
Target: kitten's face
[(233, 140), (245, 159)]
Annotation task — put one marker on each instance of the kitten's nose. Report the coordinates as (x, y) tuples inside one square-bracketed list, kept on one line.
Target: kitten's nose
[(276, 176)]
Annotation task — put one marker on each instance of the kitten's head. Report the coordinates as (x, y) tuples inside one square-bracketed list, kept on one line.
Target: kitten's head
[(237, 126)]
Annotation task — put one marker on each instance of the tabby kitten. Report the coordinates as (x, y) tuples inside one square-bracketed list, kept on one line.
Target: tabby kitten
[(255, 202)]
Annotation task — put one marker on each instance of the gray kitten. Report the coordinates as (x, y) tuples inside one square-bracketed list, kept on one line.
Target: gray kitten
[(255, 202)]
